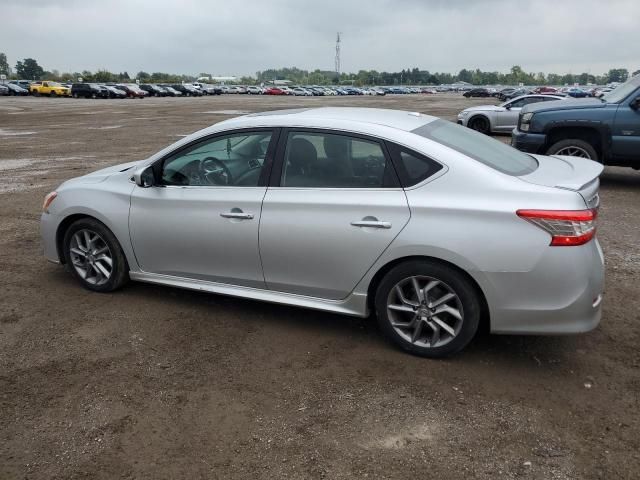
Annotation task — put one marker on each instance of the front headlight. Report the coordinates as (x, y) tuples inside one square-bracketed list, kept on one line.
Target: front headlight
[(526, 118), (47, 201), (525, 122), (463, 114)]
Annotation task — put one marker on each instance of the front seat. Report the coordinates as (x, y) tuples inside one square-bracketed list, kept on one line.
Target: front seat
[(338, 166), (301, 156)]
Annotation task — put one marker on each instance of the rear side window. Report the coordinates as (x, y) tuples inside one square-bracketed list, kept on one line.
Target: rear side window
[(479, 147), (412, 167), (330, 160)]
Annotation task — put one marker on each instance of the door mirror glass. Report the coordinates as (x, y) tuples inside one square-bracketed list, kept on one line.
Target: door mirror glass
[(635, 103), (144, 177)]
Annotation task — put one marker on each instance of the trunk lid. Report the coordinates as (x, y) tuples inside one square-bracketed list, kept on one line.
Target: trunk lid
[(569, 173)]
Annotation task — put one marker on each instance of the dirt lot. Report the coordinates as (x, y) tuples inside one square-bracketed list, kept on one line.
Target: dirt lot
[(154, 382)]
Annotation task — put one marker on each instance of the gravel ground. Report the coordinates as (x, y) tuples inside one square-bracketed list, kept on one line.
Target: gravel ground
[(153, 382)]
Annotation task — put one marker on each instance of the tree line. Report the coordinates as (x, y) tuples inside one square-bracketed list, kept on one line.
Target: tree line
[(29, 69)]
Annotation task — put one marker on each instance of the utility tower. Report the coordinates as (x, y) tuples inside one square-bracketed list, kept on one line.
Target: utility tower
[(338, 55)]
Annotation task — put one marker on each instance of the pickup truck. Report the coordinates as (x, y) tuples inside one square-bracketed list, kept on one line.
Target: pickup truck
[(605, 129), (53, 89)]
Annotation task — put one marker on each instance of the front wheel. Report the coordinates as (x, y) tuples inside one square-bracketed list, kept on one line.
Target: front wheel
[(94, 256), (573, 147), (427, 308)]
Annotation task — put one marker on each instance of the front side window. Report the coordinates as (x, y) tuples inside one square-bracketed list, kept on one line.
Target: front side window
[(230, 160), (329, 160)]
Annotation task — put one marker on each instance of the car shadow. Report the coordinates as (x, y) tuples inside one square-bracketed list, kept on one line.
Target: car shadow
[(325, 326)]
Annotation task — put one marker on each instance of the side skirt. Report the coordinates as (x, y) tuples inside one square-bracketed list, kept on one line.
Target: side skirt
[(353, 305)]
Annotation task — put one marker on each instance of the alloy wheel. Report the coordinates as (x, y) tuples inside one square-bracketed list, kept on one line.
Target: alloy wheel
[(573, 151), (91, 257), (425, 311)]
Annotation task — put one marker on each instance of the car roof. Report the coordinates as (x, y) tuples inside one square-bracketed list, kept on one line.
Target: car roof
[(398, 119)]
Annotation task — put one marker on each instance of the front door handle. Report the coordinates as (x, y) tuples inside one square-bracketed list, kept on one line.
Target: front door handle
[(238, 215), (371, 224)]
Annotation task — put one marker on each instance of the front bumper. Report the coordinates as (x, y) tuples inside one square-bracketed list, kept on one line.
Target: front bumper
[(528, 142), (562, 294), (48, 228)]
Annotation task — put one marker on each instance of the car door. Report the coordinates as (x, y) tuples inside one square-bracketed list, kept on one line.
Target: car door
[(508, 118), (626, 132), (334, 204), (201, 219)]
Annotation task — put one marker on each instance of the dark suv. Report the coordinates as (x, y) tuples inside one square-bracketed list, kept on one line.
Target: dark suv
[(605, 129), (88, 90)]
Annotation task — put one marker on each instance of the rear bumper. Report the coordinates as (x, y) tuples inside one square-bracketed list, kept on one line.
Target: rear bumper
[(562, 294), (528, 142)]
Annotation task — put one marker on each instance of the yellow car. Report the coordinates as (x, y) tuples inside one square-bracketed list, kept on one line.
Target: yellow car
[(53, 89)]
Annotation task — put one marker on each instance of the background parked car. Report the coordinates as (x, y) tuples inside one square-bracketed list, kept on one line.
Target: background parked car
[(22, 83), (133, 90), (171, 92), (87, 90), (274, 91), (153, 90), (254, 90), (477, 92), (14, 89), (576, 92), (52, 89), (4, 90), (115, 92), (499, 118)]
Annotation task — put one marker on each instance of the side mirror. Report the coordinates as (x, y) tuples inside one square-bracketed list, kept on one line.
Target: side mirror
[(144, 177), (508, 107), (635, 103)]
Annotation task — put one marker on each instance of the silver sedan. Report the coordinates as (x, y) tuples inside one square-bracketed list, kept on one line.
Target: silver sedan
[(500, 118), (432, 227)]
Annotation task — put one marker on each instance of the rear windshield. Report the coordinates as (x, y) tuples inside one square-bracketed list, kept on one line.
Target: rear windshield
[(478, 146)]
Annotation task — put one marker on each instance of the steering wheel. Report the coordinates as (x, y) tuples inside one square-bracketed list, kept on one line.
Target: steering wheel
[(215, 172)]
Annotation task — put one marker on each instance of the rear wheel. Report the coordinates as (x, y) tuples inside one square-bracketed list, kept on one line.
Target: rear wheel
[(52, 94), (573, 147), (427, 308), (94, 256), (480, 124)]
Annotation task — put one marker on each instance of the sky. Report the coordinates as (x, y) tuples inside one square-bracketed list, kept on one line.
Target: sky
[(240, 37)]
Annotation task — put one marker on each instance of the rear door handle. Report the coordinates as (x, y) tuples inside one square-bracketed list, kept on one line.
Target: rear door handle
[(238, 215), (371, 224)]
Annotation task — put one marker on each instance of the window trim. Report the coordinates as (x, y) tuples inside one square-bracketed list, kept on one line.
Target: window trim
[(400, 169), (158, 165), (275, 178)]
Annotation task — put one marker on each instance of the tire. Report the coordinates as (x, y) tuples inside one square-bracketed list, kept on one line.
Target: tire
[(52, 94), (397, 325), (75, 95), (94, 96), (480, 123), (79, 256), (573, 147)]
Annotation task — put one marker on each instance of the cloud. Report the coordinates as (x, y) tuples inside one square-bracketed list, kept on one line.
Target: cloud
[(223, 37)]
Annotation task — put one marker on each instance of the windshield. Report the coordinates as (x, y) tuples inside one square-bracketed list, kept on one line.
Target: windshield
[(623, 91), (478, 146)]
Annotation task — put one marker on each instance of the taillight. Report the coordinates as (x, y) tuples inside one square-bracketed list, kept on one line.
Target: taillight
[(47, 201), (566, 227)]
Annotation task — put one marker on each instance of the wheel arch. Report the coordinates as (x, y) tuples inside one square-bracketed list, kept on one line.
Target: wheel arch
[(597, 135), (64, 225), (485, 320), (483, 115)]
